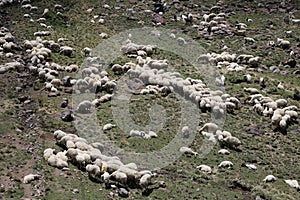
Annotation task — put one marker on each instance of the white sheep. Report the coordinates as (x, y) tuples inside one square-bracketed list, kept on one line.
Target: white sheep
[(108, 126), (204, 168), (226, 163), (209, 127), (145, 180), (251, 166), (292, 183), (30, 177), (187, 150), (93, 170), (269, 178), (223, 151)]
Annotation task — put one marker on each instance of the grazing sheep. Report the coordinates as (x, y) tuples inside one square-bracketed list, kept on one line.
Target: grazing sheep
[(145, 180), (93, 170), (87, 51), (226, 163), (67, 51), (30, 177), (251, 166), (187, 150), (209, 127), (204, 168), (292, 183), (269, 178), (224, 151), (108, 126)]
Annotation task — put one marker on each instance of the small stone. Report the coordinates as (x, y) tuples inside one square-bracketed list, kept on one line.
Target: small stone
[(67, 115), (75, 191), (162, 184), (123, 192)]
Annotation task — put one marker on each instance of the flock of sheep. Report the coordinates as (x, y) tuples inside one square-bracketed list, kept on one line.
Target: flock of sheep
[(157, 80)]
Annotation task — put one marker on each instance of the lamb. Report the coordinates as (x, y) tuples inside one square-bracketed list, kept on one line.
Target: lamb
[(31, 177), (269, 178), (187, 150), (226, 163), (204, 168)]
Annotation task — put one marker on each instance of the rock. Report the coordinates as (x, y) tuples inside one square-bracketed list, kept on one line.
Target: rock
[(64, 103), (23, 98), (162, 184), (253, 129), (53, 94), (296, 72), (67, 115), (291, 62), (66, 81), (123, 192), (284, 72), (75, 191)]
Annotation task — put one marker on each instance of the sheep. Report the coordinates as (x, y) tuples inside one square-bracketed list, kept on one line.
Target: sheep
[(187, 150), (93, 171), (209, 127), (226, 163), (251, 90), (223, 151), (251, 166), (67, 51), (284, 44), (87, 51), (249, 40), (120, 177), (269, 178), (30, 177), (204, 168), (105, 98), (293, 114), (84, 107), (145, 180), (105, 177), (108, 126), (281, 102), (42, 33), (292, 183), (59, 134), (48, 152)]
